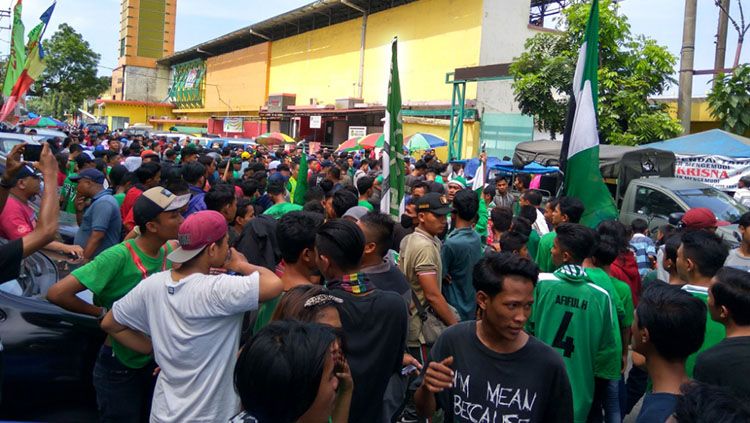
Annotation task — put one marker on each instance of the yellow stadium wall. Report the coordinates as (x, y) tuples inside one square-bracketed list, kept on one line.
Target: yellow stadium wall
[(241, 78), (136, 114), (471, 137), (435, 37)]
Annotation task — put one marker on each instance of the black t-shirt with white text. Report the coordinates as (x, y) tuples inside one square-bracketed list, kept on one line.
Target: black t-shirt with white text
[(529, 385)]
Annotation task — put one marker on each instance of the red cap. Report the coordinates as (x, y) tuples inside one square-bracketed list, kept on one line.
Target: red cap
[(701, 218), (147, 153), (198, 231)]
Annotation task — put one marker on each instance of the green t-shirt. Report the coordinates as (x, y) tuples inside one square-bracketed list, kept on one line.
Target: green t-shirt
[(71, 168), (543, 257), (533, 244), (366, 204), (715, 332), (626, 297), (280, 209), (574, 316), (68, 195), (120, 198), (110, 276), (608, 361), (265, 311)]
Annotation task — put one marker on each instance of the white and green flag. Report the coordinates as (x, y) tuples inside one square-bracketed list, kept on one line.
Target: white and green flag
[(393, 147), (583, 179)]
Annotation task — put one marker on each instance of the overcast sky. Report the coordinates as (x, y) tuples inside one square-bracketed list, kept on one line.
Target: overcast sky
[(98, 21)]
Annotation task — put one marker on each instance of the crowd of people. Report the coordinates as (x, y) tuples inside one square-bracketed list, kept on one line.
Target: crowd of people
[(266, 286)]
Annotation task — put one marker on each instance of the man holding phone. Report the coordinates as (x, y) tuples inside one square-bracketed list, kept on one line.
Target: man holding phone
[(18, 219), (14, 251)]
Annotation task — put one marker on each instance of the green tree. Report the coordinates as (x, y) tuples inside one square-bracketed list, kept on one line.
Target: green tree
[(729, 100), (70, 76), (632, 69)]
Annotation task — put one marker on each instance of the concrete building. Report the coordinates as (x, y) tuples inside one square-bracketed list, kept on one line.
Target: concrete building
[(320, 72)]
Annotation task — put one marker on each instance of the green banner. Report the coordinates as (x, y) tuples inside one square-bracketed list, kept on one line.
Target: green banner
[(17, 57), (188, 84)]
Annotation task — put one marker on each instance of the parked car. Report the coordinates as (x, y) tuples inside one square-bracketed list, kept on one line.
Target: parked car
[(655, 199), (44, 346)]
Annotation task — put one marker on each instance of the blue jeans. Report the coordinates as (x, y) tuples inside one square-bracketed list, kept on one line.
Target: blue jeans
[(605, 407), (122, 394)]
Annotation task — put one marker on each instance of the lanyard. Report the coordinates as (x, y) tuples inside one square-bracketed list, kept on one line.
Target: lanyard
[(139, 263)]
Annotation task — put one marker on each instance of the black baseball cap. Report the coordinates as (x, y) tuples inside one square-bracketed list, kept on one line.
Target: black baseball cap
[(92, 174), (25, 172), (434, 203)]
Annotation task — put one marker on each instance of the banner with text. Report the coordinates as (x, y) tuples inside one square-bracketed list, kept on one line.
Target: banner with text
[(720, 172), (233, 124)]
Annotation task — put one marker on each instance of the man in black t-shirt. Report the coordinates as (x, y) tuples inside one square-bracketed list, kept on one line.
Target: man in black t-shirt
[(491, 369), (378, 230), (374, 321), (726, 364)]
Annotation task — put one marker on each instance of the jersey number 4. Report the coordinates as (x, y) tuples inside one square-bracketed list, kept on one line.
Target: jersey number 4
[(561, 341)]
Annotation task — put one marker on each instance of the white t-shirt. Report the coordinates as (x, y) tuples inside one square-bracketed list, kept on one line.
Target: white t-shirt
[(194, 325), (742, 195)]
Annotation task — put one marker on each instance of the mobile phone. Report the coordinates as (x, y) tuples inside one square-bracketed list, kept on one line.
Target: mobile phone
[(408, 369), (32, 153)]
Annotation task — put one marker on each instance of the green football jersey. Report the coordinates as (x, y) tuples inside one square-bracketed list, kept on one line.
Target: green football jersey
[(609, 360), (626, 297), (715, 331), (543, 256), (574, 316)]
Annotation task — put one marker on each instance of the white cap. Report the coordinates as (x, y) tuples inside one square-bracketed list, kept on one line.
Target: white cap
[(273, 165)]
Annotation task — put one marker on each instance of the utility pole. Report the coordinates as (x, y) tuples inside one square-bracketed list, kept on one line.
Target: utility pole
[(721, 38), (686, 66)]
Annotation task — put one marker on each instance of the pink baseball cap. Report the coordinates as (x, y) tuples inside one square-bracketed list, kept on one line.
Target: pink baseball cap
[(198, 231)]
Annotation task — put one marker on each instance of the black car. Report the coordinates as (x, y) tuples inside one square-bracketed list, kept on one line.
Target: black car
[(44, 346)]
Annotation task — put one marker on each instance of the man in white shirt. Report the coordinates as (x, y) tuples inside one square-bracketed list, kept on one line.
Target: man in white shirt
[(191, 320), (742, 195)]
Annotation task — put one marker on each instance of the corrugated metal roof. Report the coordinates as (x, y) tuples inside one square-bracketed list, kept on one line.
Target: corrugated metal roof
[(318, 14)]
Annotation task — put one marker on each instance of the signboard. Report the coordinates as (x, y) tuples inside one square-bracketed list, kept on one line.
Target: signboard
[(315, 122), (357, 131), (233, 124), (720, 172)]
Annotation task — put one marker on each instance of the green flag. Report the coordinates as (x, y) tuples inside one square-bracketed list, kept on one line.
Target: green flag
[(17, 57), (393, 147), (301, 189), (583, 179)]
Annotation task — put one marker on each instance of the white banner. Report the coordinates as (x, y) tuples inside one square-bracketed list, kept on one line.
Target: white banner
[(315, 122), (357, 131), (720, 172), (233, 124)]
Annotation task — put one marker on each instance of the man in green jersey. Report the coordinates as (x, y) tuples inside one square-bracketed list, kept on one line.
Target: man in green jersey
[(123, 378), (610, 362), (69, 188), (280, 207), (295, 234), (568, 210), (699, 258), (572, 314)]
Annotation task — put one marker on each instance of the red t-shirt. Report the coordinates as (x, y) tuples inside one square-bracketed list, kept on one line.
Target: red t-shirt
[(129, 201), (60, 178), (16, 220)]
